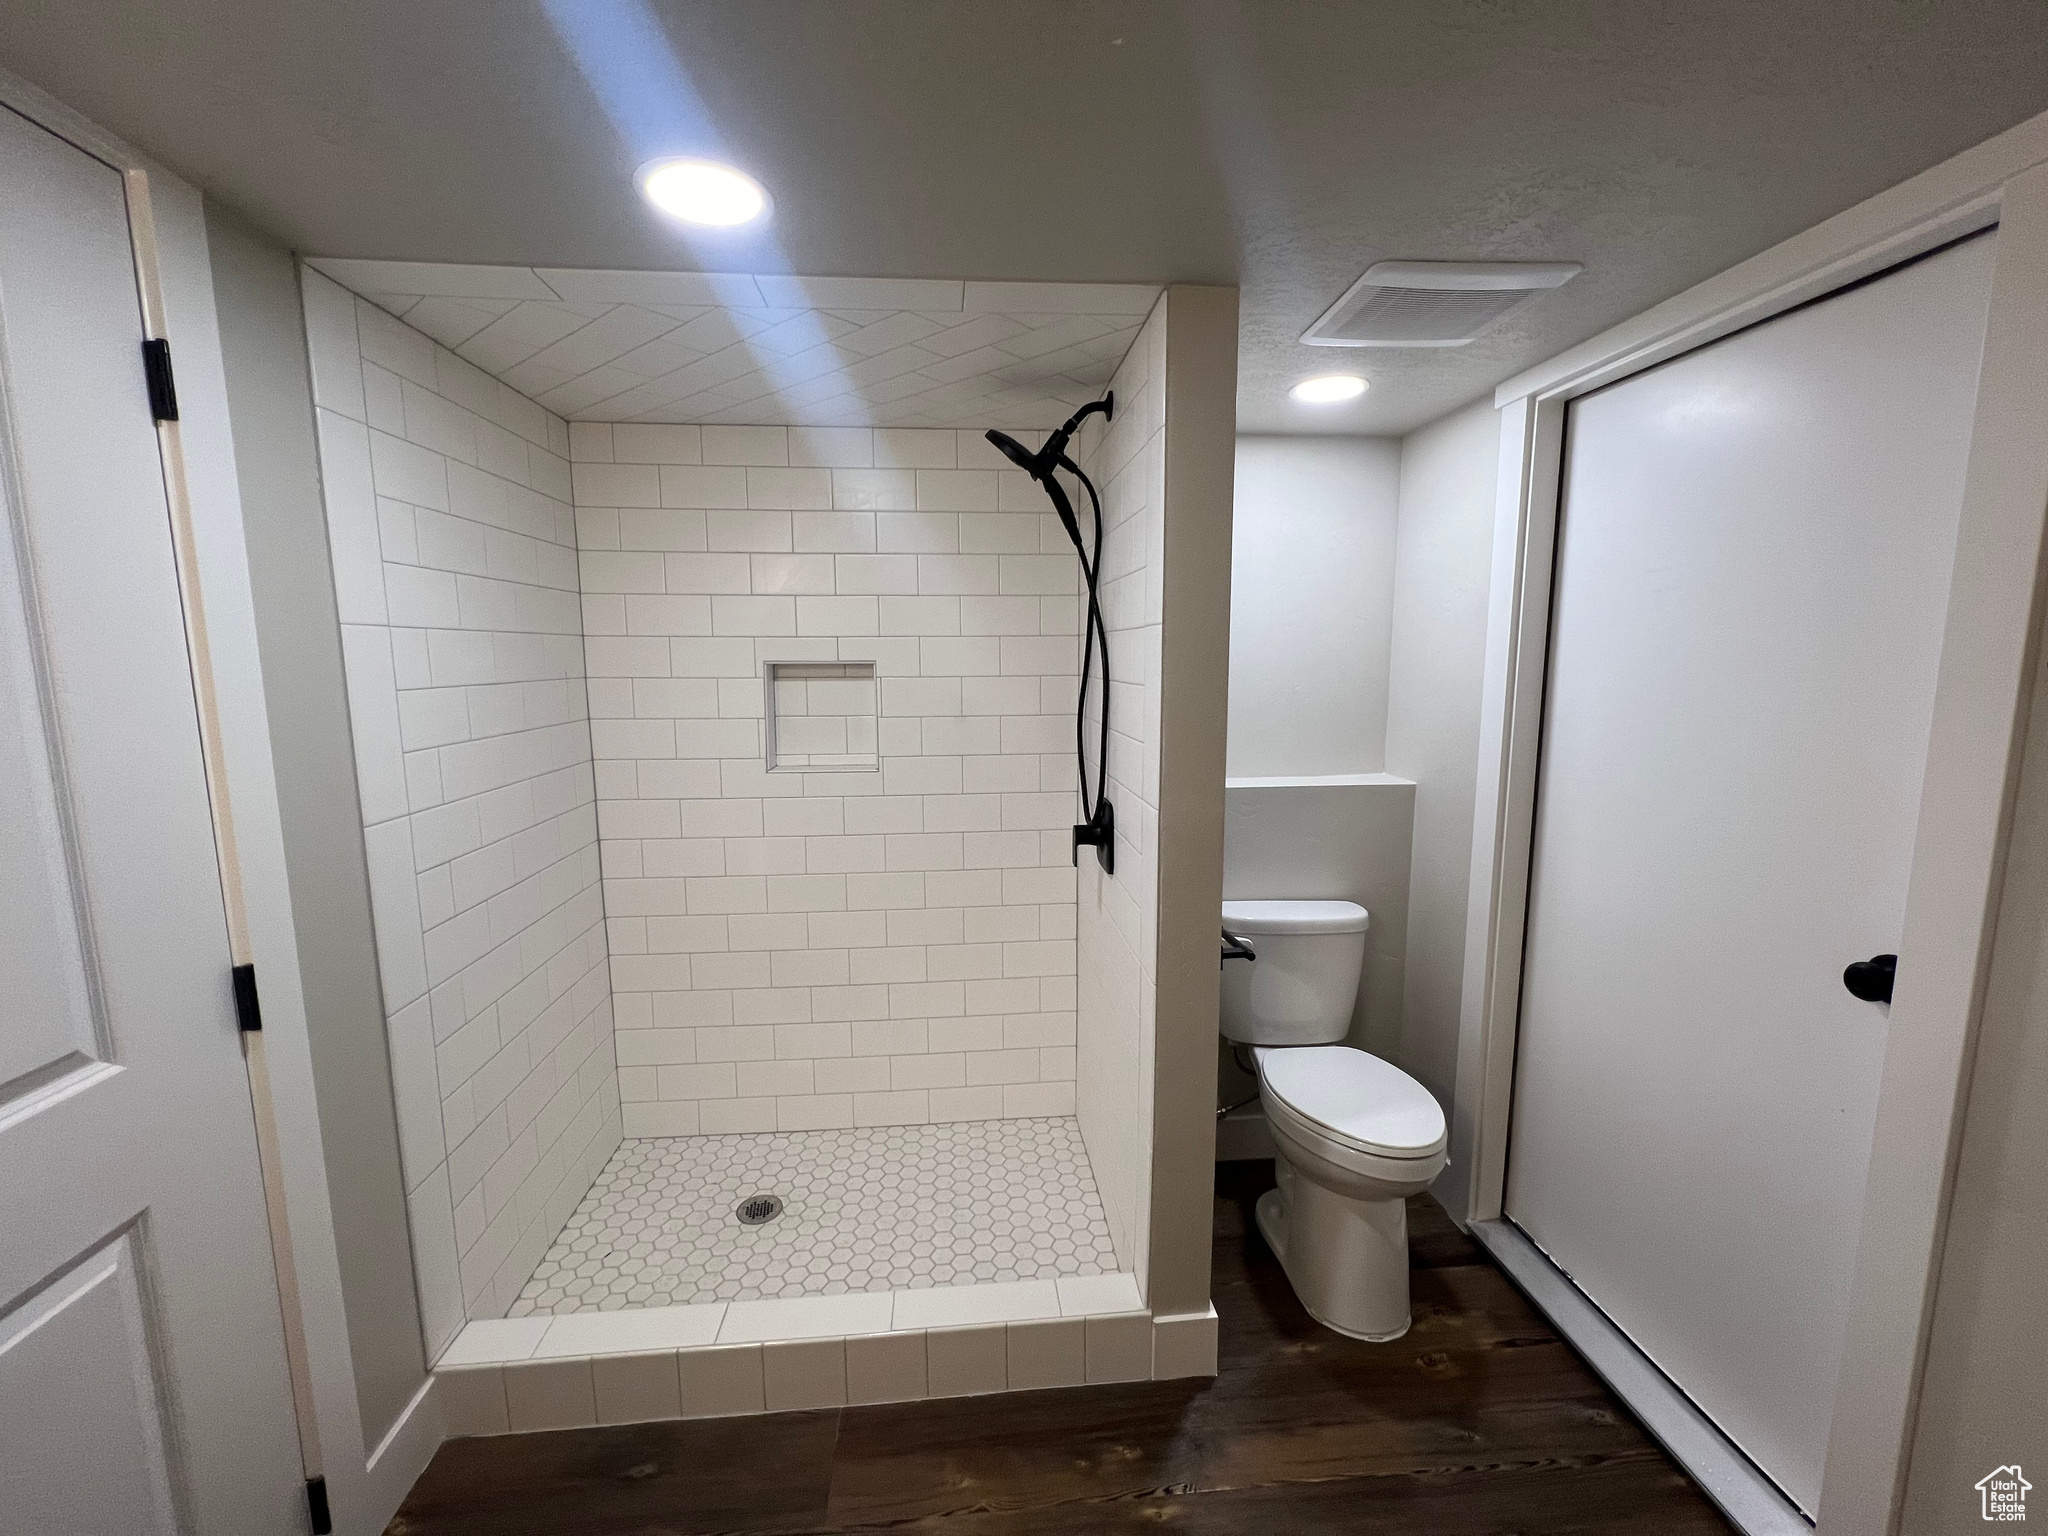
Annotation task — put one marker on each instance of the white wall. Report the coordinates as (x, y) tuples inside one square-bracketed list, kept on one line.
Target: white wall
[(263, 357), (1360, 571), (1442, 568), (1312, 597), (1330, 842), (793, 951), (455, 571), (1192, 679), (1311, 616)]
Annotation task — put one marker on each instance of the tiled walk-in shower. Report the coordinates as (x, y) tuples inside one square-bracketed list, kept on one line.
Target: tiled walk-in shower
[(891, 1208), (647, 955)]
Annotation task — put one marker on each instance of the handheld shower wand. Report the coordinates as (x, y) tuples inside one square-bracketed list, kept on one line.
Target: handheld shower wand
[(1098, 828)]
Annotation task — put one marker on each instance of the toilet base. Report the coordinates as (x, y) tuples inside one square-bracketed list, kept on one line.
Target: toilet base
[(1346, 1258)]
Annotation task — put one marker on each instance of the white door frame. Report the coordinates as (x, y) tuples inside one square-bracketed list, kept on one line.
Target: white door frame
[(1980, 712)]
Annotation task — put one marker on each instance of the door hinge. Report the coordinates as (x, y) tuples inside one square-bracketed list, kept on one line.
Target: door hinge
[(248, 1011), (156, 372), (316, 1506)]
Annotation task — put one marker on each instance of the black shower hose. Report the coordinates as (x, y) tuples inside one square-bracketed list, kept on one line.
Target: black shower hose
[(1095, 642)]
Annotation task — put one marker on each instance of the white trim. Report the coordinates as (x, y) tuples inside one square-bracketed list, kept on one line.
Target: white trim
[(1753, 1504), (206, 677), (395, 1463), (1980, 711), (1503, 818)]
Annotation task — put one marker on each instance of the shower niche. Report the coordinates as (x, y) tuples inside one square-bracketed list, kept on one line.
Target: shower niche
[(716, 739), (821, 717)]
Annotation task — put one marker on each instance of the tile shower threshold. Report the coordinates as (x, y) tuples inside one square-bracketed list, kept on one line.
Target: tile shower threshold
[(503, 1341), (719, 1359)]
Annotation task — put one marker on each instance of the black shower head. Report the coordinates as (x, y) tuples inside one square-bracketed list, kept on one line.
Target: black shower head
[(1040, 465), (1015, 452)]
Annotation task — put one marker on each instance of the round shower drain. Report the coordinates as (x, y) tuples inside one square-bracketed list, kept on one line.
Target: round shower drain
[(757, 1210)]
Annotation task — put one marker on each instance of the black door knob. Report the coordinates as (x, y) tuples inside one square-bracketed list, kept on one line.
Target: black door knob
[(1871, 980)]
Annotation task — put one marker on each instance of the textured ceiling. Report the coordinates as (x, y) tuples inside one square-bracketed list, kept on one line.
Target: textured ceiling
[(770, 350), (1284, 145)]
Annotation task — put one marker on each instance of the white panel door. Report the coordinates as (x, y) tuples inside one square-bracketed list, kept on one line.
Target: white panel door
[(1752, 573), (143, 1386)]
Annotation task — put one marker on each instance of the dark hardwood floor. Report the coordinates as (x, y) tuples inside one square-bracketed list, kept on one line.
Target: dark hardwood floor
[(1479, 1421)]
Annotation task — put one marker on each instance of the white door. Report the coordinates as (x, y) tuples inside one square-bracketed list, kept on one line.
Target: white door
[(1752, 573), (143, 1386)]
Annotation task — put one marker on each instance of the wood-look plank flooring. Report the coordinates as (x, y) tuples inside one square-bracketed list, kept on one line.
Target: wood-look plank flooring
[(1480, 1422)]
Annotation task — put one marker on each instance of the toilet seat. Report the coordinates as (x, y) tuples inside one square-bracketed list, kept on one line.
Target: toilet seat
[(1351, 1100)]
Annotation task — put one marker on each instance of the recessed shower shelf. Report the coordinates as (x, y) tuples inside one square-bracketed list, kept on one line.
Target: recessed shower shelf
[(821, 717)]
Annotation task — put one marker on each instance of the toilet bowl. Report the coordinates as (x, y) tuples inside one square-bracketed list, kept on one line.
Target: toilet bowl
[(1356, 1136)]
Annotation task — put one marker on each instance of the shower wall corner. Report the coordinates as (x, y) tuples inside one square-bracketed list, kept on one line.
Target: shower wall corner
[(453, 542)]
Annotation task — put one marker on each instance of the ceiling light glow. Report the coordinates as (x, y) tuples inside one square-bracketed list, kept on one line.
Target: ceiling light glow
[(702, 192), (1329, 389)]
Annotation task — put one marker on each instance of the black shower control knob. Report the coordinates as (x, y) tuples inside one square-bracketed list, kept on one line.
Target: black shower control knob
[(1871, 980)]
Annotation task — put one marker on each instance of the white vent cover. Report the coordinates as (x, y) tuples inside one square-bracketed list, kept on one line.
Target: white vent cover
[(1433, 303)]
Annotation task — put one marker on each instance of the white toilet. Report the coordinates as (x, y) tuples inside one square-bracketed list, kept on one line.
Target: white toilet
[(1356, 1135)]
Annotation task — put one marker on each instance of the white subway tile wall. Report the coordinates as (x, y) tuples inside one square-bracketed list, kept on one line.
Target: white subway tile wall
[(792, 950), (1118, 914), (448, 512)]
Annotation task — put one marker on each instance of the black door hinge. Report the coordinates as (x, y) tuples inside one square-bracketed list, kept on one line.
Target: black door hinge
[(316, 1506), (156, 371), (248, 1011)]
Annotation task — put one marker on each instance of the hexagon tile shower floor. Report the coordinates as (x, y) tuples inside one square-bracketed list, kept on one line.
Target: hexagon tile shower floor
[(892, 1208)]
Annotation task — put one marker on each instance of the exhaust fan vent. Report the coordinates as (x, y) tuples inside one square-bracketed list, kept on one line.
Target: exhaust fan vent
[(1433, 303)]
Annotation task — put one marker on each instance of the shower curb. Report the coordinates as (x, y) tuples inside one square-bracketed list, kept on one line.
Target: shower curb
[(786, 1360)]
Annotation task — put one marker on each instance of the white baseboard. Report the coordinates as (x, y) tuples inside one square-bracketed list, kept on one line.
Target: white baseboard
[(363, 1506), (1184, 1344)]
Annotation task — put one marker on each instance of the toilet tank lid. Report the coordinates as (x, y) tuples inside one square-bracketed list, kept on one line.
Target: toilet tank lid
[(1295, 917)]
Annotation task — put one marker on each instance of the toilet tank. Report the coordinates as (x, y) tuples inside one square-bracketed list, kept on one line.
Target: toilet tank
[(1301, 989)]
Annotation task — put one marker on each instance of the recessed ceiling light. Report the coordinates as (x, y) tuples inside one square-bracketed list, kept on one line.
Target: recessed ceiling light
[(1328, 389), (702, 192)]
